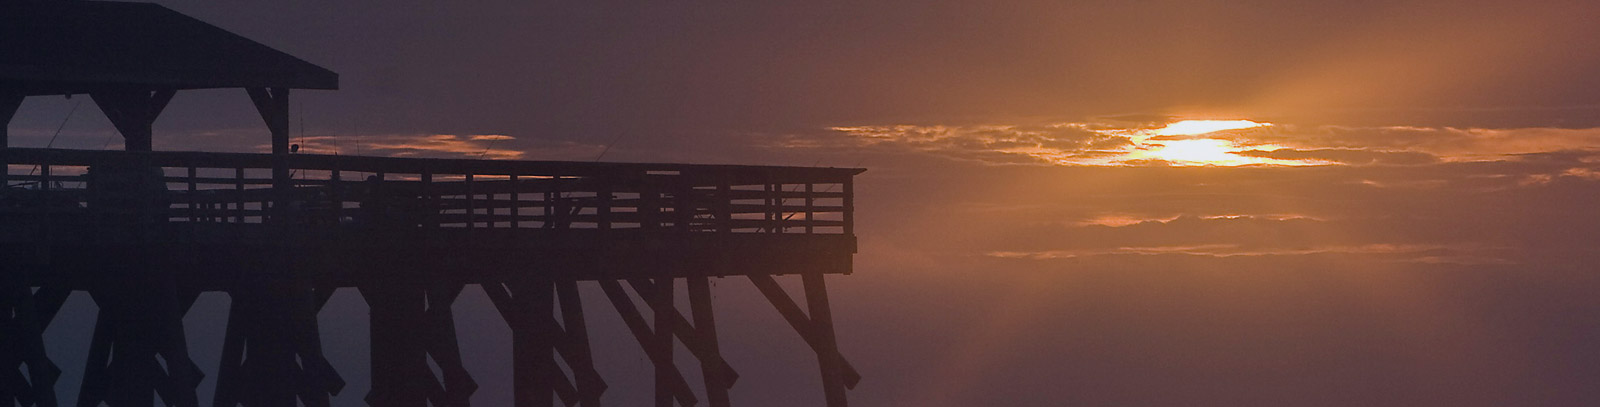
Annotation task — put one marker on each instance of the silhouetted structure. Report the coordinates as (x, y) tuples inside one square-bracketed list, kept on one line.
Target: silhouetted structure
[(145, 232)]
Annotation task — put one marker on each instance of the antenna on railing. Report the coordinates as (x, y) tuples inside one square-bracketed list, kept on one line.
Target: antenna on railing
[(608, 146)]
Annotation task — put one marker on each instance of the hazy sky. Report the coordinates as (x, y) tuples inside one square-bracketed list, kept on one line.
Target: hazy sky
[(1417, 227)]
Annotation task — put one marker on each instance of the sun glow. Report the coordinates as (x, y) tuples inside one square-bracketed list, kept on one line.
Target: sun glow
[(1193, 127), (1184, 143), (1198, 152)]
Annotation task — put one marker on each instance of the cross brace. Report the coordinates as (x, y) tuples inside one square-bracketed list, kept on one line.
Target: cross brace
[(816, 329)]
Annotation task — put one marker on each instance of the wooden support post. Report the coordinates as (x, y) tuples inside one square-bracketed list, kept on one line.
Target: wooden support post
[(724, 205), (603, 204), (579, 357), (811, 208), (533, 361), (472, 207), (410, 325), (661, 298), (134, 113), (141, 320), (238, 195), (273, 105), (693, 337), (22, 343), (9, 102), (713, 371), (272, 352), (336, 195), (400, 373), (822, 326), (666, 372), (849, 209), (8, 108), (193, 194), (430, 198), (802, 324), (529, 326), (516, 201)]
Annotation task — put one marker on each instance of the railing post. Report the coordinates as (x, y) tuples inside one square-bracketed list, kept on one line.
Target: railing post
[(44, 176), (849, 206), (516, 205), (724, 204), (767, 205), (428, 197), (238, 203), (828, 358), (336, 195), (811, 208), (472, 209), (194, 199), (9, 103), (649, 203), (603, 206), (681, 208)]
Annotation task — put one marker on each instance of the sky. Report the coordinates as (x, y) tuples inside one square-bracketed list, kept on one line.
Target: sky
[(1395, 210)]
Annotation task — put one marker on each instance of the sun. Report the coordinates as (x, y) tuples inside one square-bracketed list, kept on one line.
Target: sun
[(1193, 127), (1198, 151), (1184, 143)]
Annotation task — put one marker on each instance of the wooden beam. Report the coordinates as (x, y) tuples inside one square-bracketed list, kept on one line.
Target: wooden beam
[(700, 341), (141, 319), (273, 105), (579, 358), (133, 114), (647, 339), (713, 370), (8, 108), (533, 369), (828, 357), (662, 341), (571, 342), (400, 373), (442, 347), (272, 351), (22, 343), (802, 324)]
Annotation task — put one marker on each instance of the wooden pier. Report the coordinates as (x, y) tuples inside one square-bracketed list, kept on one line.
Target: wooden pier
[(409, 234), (145, 232)]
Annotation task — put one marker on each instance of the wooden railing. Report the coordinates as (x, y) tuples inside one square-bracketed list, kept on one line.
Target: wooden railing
[(385, 192)]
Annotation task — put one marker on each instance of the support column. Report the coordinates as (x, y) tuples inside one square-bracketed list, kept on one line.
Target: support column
[(8, 108), (409, 326), (661, 298), (272, 351), (579, 357), (700, 339), (140, 329), (828, 348), (716, 377), (651, 339), (535, 332), (273, 104), (533, 363), (816, 329), (133, 113), (23, 317)]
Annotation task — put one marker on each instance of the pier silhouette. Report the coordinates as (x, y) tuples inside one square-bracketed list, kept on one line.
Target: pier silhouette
[(144, 232)]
